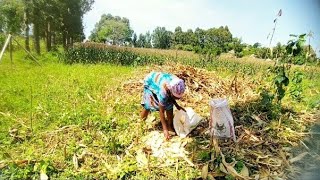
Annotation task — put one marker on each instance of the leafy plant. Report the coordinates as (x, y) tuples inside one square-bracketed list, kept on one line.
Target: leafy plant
[(296, 91), (280, 81), (295, 52)]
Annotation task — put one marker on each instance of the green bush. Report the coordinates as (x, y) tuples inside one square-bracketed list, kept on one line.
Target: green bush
[(187, 47), (179, 46), (262, 53), (239, 54)]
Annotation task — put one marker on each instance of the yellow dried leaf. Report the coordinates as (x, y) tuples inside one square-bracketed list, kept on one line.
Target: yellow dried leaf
[(75, 161), (141, 158), (204, 173), (244, 171), (43, 176)]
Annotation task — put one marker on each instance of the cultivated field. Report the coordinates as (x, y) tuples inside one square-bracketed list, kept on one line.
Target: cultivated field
[(70, 118)]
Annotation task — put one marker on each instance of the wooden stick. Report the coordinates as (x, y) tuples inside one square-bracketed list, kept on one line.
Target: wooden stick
[(10, 49), (5, 46), (27, 52)]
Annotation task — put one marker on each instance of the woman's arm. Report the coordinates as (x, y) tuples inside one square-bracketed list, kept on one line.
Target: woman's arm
[(177, 105), (163, 122)]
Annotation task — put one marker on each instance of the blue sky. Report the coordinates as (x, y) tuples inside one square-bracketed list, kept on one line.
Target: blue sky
[(251, 20)]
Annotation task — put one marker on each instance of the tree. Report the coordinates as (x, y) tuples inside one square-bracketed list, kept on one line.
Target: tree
[(11, 16), (37, 20), (134, 40), (141, 41), (148, 40), (26, 19), (52, 18), (112, 29), (178, 36), (218, 38), (191, 38), (256, 45), (161, 38), (238, 47), (278, 51), (200, 37)]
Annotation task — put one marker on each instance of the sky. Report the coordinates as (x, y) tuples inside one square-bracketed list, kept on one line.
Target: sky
[(250, 20)]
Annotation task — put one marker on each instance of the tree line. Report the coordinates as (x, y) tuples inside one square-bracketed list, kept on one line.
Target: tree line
[(116, 30), (58, 22), (213, 41)]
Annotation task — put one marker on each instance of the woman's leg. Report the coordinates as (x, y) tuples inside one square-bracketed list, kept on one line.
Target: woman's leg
[(169, 114), (144, 114)]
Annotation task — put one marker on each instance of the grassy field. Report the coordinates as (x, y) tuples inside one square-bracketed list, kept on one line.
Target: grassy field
[(81, 121)]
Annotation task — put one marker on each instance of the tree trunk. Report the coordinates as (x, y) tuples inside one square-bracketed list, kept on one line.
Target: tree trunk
[(64, 40), (36, 34), (27, 29), (71, 41), (53, 39), (48, 37)]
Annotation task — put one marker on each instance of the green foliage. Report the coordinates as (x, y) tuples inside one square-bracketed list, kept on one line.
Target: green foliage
[(113, 29), (239, 166), (230, 177), (218, 37), (2, 40), (280, 81), (204, 156), (134, 40), (187, 48), (278, 51), (296, 89), (266, 99), (262, 53), (144, 40), (161, 38), (295, 52), (238, 47), (99, 53), (59, 22), (11, 16), (256, 45), (62, 95)]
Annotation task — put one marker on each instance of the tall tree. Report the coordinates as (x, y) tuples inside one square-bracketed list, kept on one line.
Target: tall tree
[(37, 20), (141, 41), (148, 40), (200, 37), (191, 38), (11, 15), (161, 38), (218, 38), (113, 29), (134, 40), (178, 36), (26, 18)]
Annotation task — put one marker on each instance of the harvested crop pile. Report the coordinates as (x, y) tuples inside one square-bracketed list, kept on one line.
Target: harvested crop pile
[(263, 146)]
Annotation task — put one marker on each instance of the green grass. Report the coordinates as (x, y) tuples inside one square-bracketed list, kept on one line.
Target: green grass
[(37, 99), (50, 90)]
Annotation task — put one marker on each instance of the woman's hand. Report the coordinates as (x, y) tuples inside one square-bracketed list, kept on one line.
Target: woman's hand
[(180, 108)]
